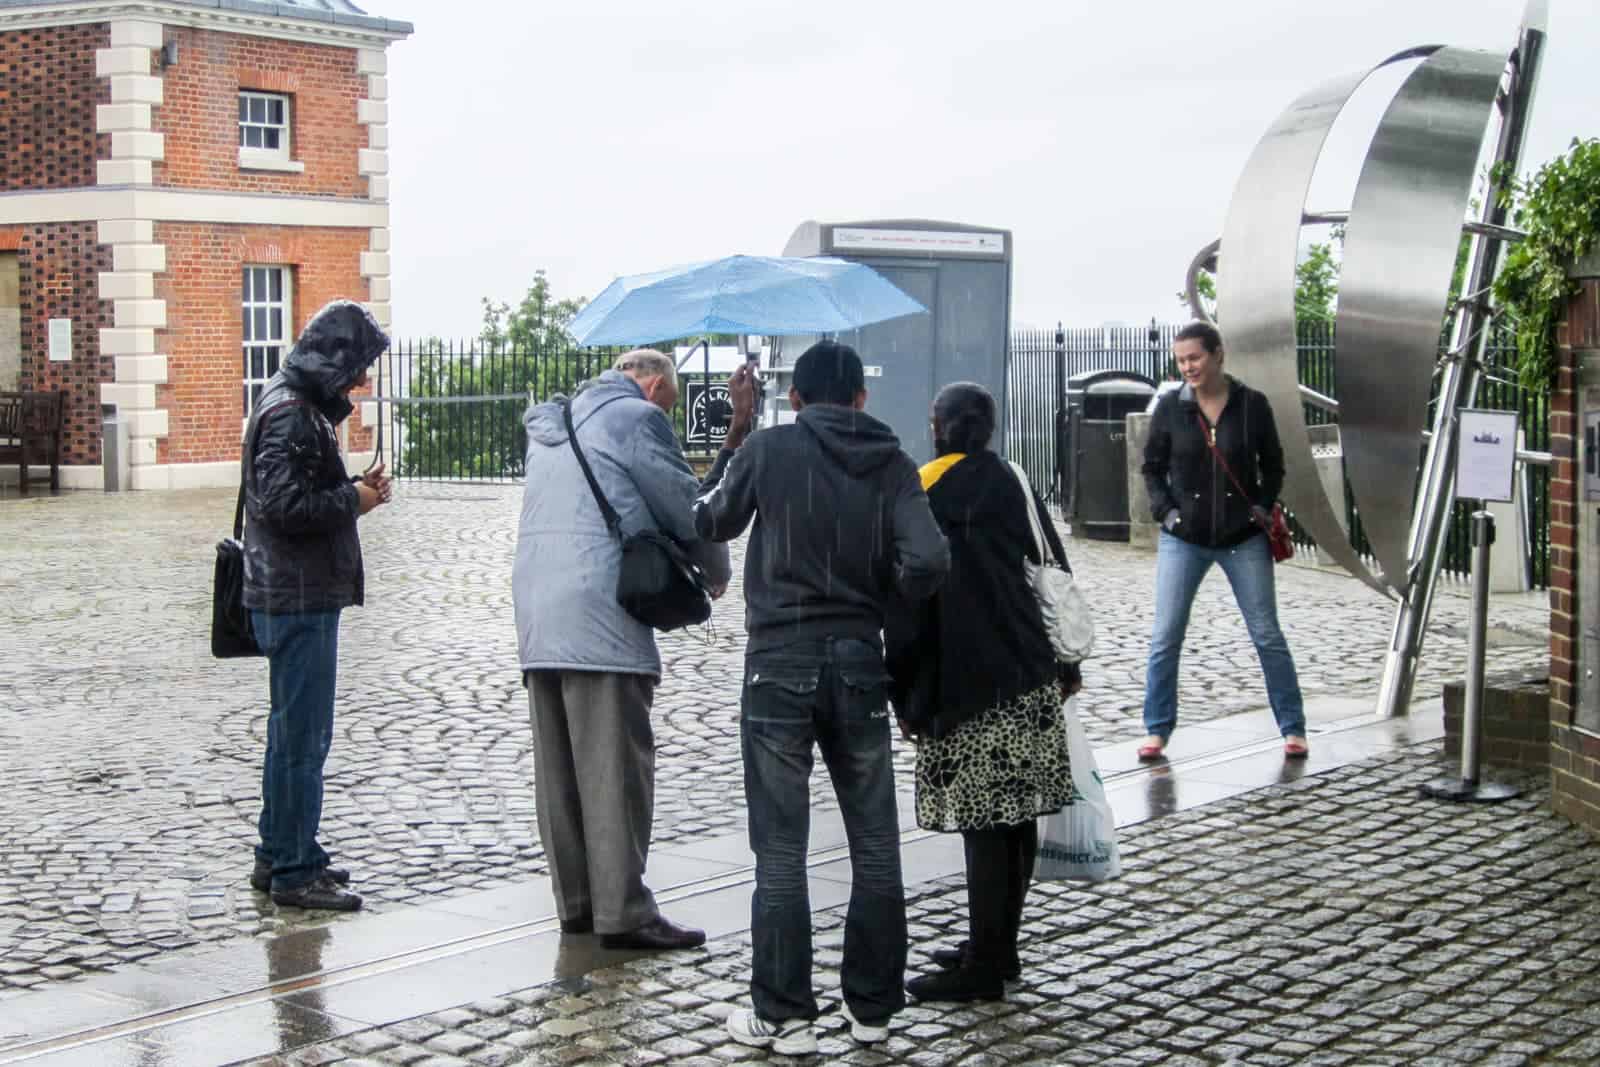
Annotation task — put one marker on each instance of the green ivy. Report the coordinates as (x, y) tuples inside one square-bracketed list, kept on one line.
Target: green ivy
[(1559, 210)]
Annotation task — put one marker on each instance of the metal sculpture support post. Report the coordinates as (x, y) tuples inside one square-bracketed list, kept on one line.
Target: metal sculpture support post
[(1402, 234)]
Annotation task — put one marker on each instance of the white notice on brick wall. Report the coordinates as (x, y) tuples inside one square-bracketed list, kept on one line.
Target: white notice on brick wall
[(60, 340)]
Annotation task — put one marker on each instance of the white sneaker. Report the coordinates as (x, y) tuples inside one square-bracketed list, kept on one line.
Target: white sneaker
[(793, 1037), (865, 1033)]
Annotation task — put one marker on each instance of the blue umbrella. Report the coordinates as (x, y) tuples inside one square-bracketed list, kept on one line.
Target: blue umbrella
[(740, 294)]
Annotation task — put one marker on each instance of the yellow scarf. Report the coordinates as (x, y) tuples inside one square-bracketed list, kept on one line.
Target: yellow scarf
[(932, 472)]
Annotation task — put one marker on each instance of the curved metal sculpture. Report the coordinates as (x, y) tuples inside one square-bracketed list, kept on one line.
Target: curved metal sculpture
[(1399, 252), (1256, 284), (1401, 241)]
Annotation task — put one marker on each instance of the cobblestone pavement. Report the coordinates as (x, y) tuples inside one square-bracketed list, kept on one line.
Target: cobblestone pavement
[(1336, 920), (132, 758)]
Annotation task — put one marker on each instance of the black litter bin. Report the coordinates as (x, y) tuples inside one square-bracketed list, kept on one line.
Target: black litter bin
[(1096, 444)]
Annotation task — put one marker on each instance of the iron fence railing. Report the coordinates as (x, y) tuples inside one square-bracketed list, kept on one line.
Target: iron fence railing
[(1040, 359)]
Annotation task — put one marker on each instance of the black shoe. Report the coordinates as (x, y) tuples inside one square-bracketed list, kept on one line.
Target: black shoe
[(952, 959), (658, 934), (321, 893), (962, 984), (583, 924), (261, 876)]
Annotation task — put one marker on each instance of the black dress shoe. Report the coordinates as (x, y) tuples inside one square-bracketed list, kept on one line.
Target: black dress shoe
[(963, 984), (320, 894), (261, 876), (656, 935), (582, 924), (954, 958)]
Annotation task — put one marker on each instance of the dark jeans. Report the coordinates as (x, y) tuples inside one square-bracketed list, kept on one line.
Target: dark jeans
[(302, 657), (830, 694)]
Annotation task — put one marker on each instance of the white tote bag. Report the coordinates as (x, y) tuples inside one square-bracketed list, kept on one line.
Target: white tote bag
[(1079, 842), (1066, 614)]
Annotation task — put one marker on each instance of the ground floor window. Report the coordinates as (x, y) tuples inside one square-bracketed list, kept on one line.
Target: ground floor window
[(266, 307)]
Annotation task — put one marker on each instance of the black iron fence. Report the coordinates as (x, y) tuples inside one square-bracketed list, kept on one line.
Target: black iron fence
[(454, 409), (1039, 359)]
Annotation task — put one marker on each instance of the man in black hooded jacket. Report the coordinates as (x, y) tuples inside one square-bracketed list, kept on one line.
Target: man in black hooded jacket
[(302, 566), (841, 525)]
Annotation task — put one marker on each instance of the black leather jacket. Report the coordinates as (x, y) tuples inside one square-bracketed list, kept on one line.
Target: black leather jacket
[(301, 549), (1181, 473)]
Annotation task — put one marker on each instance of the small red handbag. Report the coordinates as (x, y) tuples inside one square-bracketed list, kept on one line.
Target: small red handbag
[(1279, 541)]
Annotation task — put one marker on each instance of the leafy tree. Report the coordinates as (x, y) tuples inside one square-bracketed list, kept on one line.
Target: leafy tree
[(1316, 286), (1559, 210), (461, 416)]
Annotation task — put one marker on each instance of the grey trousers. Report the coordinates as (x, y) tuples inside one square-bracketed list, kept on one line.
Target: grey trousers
[(594, 784)]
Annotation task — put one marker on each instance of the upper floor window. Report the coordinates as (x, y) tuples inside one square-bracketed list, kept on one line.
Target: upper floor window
[(266, 304), (264, 131)]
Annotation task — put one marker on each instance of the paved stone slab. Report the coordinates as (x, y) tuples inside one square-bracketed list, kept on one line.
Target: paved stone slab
[(1339, 919), (133, 758)]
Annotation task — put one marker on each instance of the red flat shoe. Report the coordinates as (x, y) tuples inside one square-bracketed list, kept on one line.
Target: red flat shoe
[(1296, 750), (1149, 751)]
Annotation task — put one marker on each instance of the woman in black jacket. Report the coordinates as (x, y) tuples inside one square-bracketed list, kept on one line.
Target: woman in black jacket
[(1209, 434), (975, 681)]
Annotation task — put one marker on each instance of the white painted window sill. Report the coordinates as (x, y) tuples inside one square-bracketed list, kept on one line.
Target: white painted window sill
[(255, 159)]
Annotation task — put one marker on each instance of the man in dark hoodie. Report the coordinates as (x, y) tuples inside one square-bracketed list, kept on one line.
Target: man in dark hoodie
[(302, 566), (841, 525)]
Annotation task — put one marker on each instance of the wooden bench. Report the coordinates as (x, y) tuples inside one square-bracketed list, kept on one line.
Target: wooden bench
[(30, 431)]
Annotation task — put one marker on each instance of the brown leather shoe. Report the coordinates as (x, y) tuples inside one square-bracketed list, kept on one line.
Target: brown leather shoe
[(319, 894), (261, 876), (657, 935)]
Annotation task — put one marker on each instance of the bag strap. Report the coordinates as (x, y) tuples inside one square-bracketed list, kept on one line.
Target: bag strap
[(1045, 556), (247, 459), (607, 512), (1211, 443)]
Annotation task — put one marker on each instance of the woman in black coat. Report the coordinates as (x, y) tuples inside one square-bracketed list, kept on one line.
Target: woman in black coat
[(975, 682)]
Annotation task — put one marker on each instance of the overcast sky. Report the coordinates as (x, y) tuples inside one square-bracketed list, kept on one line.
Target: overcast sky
[(593, 138)]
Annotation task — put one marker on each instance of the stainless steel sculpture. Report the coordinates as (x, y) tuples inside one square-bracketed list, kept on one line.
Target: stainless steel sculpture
[(1401, 239)]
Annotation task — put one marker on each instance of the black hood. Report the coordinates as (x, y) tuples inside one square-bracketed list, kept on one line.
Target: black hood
[(340, 341), (853, 439)]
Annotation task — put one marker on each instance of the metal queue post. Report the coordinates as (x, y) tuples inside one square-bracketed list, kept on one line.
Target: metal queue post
[(1486, 458)]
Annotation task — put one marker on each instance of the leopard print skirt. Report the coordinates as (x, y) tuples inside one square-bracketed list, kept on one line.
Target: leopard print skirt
[(1000, 768)]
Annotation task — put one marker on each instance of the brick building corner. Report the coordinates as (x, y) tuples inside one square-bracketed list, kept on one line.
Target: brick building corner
[(1574, 729), (185, 184)]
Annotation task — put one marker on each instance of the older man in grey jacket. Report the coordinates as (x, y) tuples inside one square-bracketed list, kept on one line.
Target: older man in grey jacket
[(591, 669)]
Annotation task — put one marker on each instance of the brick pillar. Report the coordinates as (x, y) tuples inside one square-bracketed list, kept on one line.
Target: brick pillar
[(1574, 754)]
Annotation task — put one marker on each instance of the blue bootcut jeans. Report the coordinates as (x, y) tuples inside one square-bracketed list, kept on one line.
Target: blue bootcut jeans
[(1179, 568), (831, 694), (302, 656)]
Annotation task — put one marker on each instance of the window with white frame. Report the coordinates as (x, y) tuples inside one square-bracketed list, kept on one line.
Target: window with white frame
[(263, 129), (266, 306)]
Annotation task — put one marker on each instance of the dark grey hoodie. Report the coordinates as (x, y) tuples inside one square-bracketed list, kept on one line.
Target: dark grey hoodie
[(841, 524)]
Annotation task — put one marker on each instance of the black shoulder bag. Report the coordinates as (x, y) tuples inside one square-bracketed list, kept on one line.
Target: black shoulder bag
[(659, 584), (232, 634)]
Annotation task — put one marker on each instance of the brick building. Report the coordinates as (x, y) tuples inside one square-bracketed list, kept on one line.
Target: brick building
[(183, 183), (1575, 559)]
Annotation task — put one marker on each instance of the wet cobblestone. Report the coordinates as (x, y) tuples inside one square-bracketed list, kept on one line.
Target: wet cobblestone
[(1337, 920), (133, 758)]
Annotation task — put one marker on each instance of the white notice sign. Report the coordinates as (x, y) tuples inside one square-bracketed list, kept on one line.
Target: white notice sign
[(60, 340), (931, 242), (1486, 454)]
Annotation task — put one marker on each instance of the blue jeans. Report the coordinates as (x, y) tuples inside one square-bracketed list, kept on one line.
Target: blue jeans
[(831, 694), (302, 657), (1179, 568)]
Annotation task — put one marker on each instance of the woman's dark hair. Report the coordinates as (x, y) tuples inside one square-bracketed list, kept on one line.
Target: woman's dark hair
[(963, 418), (1209, 336)]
